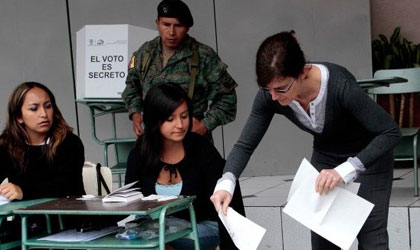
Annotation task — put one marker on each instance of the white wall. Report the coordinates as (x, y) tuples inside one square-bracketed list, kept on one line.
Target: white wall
[(34, 46), (388, 14), (326, 30)]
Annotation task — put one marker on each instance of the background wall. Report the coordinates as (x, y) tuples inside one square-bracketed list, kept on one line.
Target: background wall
[(35, 45), (324, 35), (388, 14)]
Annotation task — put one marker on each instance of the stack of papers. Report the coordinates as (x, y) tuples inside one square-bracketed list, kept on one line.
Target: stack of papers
[(75, 236), (337, 216), (124, 194)]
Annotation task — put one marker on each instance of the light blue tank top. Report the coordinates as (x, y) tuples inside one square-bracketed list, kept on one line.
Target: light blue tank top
[(168, 189)]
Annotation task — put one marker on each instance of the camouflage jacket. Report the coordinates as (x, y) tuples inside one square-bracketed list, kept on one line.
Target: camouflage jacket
[(213, 82)]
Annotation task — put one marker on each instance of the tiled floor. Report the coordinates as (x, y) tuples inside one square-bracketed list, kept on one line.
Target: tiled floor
[(265, 196), (276, 189)]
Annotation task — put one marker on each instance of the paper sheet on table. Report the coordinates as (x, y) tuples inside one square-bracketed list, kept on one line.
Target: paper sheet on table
[(159, 197), (246, 234), (337, 216), (75, 236)]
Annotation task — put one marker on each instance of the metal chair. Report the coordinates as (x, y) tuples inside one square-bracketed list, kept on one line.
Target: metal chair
[(92, 181), (122, 149), (407, 150), (122, 146)]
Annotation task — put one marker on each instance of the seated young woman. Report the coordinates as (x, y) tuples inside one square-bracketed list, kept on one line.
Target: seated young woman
[(169, 159), (40, 155)]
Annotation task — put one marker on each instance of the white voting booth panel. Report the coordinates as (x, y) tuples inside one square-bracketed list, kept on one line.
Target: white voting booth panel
[(103, 53)]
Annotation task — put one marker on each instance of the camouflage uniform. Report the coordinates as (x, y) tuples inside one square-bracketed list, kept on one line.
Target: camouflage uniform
[(213, 82)]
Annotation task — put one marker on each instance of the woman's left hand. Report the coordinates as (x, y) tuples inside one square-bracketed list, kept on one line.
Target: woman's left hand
[(11, 191), (327, 180)]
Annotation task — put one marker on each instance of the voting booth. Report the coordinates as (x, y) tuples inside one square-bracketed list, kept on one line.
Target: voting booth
[(103, 53)]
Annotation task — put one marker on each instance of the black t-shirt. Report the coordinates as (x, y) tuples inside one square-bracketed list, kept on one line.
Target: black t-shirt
[(43, 179)]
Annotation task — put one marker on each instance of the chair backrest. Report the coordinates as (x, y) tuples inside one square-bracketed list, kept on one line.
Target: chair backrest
[(90, 179), (412, 86)]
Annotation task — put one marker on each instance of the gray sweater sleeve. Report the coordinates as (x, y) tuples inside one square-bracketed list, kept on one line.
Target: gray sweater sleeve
[(255, 128), (374, 119)]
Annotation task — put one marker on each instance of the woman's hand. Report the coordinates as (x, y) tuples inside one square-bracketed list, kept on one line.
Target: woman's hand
[(327, 180), (11, 191), (223, 198)]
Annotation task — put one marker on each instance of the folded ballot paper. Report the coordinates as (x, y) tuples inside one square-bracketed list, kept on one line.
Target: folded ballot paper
[(337, 216), (124, 194), (245, 234)]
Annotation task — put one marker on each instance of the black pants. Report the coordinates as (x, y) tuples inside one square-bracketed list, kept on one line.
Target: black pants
[(375, 186)]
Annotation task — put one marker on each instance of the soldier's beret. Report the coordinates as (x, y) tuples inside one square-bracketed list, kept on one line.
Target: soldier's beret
[(176, 9)]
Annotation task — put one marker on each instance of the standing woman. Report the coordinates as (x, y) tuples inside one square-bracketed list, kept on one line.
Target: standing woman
[(169, 159), (40, 155), (353, 136)]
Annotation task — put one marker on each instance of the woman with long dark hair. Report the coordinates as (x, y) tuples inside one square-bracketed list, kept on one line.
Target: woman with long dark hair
[(41, 157), (353, 136), (169, 159)]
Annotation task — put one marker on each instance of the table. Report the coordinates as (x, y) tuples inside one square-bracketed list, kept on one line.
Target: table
[(100, 107), (379, 82), (72, 206), (8, 209)]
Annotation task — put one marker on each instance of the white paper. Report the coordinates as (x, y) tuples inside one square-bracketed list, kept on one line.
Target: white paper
[(123, 188), (3, 200), (129, 218), (246, 234), (307, 171), (337, 216), (75, 236), (159, 197), (124, 194), (88, 197)]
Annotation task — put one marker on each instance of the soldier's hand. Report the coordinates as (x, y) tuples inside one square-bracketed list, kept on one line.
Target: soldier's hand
[(137, 120), (11, 191), (198, 127)]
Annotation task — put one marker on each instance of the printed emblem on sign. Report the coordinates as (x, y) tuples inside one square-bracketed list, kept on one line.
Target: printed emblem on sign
[(131, 65)]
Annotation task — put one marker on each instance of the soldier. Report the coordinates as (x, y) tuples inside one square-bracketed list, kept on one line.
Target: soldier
[(176, 57)]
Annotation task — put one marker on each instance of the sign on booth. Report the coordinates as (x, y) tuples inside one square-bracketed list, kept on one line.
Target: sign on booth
[(103, 53)]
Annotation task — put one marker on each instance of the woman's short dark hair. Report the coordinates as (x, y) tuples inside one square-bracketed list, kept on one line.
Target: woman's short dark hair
[(279, 56), (160, 102)]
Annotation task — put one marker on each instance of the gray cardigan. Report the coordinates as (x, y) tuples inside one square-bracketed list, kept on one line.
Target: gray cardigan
[(355, 126)]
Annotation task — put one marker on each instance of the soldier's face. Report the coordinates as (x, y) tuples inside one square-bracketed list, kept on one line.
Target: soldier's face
[(176, 126), (172, 32)]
